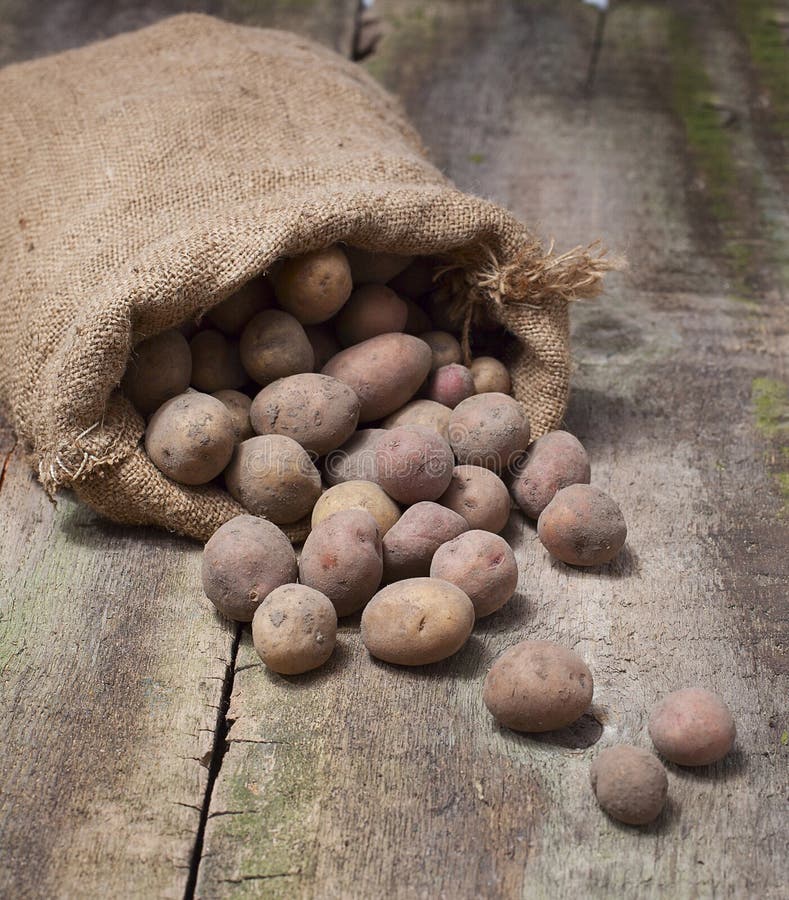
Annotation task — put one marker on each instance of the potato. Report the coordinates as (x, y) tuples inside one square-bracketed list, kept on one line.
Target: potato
[(444, 347), (556, 460), (692, 727), (318, 412), (417, 621), (418, 320), (313, 287), (343, 559), (371, 266), (385, 372), (416, 279), (538, 686), (358, 495), (478, 495), (422, 412), (190, 438), (324, 343), (243, 561), (273, 476), (482, 565), (488, 430), (216, 363), (582, 526), (410, 543), (450, 385), (372, 310), (159, 368), (274, 345), (630, 784), (490, 376), (294, 629), (238, 405), (413, 463), (355, 460), (231, 315)]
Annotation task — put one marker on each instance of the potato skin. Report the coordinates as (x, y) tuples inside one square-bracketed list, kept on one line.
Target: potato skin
[(323, 342), (422, 412), (482, 565), (358, 495), (489, 430), (538, 686), (490, 376), (274, 345), (478, 495), (417, 621), (237, 405), (243, 561), (231, 315), (582, 526), (190, 438), (317, 411), (372, 309), (294, 629), (630, 784), (355, 460), (216, 363), (692, 727), (273, 476), (410, 543), (444, 347), (314, 286), (385, 372), (374, 267), (160, 368), (556, 460), (413, 463), (343, 559), (450, 385)]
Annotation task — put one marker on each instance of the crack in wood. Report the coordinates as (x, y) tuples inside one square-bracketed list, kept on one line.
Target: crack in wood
[(594, 55)]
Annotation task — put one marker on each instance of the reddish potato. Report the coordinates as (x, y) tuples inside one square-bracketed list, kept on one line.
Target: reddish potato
[(450, 385), (315, 286), (490, 376), (489, 430), (274, 345), (630, 784), (355, 460), (231, 315), (478, 495), (413, 463), (555, 461), (582, 526), (372, 309), (216, 363), (411, 542), (159, 368), (692, 727), (237, 405)]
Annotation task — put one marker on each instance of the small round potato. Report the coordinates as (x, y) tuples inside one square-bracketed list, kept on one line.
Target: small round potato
[(411, 542), (315, 286), (273, 476), (231, 315), (630, 784), (324, 343), (538, 686), (422, 412), (355, 460), (342, 558), (692, 727), (490, 376), (190, 438), (274, 345), (317, 411), (160, 367), (489, 430), (444, 347), (294, 629), (418, 320), (417, 621), (358, 495), (216, 363), (413, 463), (582, 526), (372, 309), (243, 561), (556, 460), (374, 267), (450, 385), (478, 495), (482, 565), (238, 405), (415, 280)]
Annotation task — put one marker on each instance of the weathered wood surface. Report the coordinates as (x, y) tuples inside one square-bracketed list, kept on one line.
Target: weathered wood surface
[(667, 140)]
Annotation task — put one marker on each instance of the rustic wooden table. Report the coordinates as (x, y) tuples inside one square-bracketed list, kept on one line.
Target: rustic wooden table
[(145, 750)]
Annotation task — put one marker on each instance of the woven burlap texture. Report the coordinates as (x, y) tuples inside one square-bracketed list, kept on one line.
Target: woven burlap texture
[(143, 179)]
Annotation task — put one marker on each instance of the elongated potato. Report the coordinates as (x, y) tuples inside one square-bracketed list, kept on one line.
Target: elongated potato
[(555, 461), (409, 545)]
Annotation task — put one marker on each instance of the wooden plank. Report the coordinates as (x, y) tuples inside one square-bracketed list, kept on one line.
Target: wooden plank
[(363, 780)]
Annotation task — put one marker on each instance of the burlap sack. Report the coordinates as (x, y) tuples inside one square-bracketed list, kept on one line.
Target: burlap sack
[(145, 178)]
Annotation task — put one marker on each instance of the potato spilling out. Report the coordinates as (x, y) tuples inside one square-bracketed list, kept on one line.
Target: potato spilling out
[(692, 727), (630, 784), (555, 461), (478, 495), (582, 526), (160, 368)]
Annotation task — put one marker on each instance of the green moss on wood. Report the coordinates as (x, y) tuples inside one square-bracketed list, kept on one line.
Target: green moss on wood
[(771, 407), (761, 27)]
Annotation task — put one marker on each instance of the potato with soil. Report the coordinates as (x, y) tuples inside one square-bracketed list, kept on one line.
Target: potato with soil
[(375, 267), (422, 412), (692, 727), (243, 561), (273, 476), (237, 405), (482, 565), (417, 621), (190, 438), (315, 286), (343, 559), (358, 495), (372, 309), (294, 629), (410, 543), (413, 463), (159, 368), (450, 385), (582, 526), (317, 411), (630, 784), (355, 460), (444, 347), (216, 363), (231, 315), (488, 430), (538, 686), (556, 460), (323, 342), (478, 495), (490, 376), (274, 345), (385, 372)]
